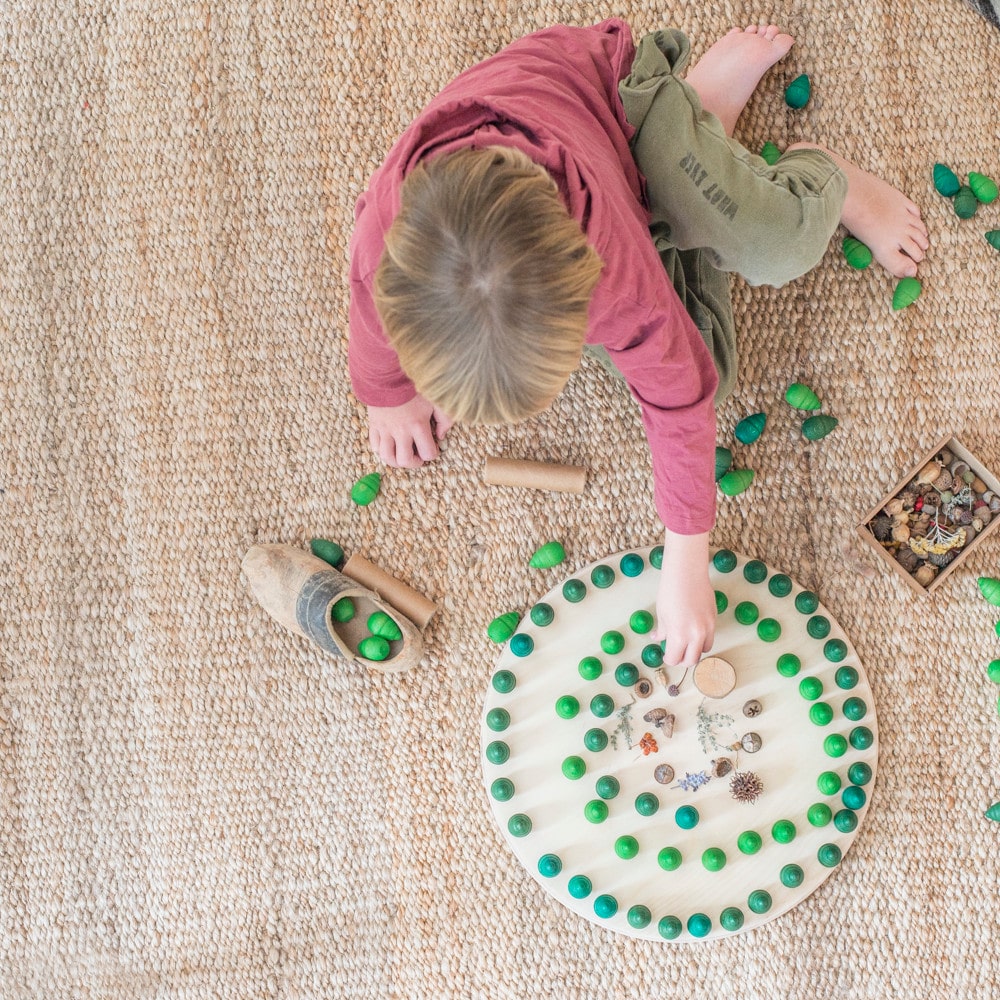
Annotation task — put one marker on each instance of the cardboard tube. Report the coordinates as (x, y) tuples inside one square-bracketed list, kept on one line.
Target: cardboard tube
[(404, 599), (535, 475)]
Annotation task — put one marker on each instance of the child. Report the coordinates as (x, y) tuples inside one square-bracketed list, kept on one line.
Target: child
[(574, 191)]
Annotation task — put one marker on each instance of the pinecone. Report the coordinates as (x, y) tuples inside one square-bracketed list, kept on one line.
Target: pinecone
[(942, 559), (746, 786), (882, 527)]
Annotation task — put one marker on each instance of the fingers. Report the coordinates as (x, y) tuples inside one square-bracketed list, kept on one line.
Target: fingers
[(424, 444), (442, 423)]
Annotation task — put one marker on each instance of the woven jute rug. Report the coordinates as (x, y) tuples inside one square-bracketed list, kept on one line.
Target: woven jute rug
[(195, 803)]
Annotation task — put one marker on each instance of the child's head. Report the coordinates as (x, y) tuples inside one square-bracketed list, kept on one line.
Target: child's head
[(484, 285)]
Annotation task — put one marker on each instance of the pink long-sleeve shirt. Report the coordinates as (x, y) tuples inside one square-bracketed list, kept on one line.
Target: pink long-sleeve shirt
[(554, 96)]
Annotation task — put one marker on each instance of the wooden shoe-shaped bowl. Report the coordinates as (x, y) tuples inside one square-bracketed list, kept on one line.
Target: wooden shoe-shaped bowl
[(298, 591)]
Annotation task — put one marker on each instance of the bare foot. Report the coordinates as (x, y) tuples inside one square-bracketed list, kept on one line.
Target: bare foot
[(728, 73), (881, 216)]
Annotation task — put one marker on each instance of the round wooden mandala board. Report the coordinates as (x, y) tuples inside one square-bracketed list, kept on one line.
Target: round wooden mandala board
[(571, 770)]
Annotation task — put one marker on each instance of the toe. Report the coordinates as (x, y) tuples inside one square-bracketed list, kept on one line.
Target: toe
[(771, 32), (913, 250), (902, 266), (751, 29)]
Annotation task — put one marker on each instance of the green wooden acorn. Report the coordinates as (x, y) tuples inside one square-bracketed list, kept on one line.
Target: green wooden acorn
[(802, 397), (343, 610), (735, 481), (750, 428), (503, 627), (989, 587), (993, 238), (946, 183), (329, 552), (856, 253), (366, 489), (966, 204), (723, 462), (983, 187), (814, 428), (770, 153), (993, 812), (374, 647), (550, 554), (797, 93), (381, 624), (907, 292)]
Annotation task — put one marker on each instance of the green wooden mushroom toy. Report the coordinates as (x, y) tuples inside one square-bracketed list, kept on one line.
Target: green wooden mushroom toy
[(797, 93), (989, 587), (802, 397), (550, 554), (365, 490), (736, 481), (329, 552), (983, 188), (856, 253), (750, 428), (946, 183), (966, 204), (907, 292), (814, 428), (770, 153), (503, 627)]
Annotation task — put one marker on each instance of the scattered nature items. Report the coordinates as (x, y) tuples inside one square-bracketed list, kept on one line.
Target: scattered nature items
[(928, 523), (734, 481)]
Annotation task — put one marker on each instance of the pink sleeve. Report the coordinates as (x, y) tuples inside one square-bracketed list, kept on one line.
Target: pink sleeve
[(376, 376), (673, 377)]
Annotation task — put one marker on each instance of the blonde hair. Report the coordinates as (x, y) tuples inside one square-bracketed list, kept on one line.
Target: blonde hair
[(484, 285)]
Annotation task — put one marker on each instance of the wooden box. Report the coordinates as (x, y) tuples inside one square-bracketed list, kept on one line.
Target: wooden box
[(960, 452)]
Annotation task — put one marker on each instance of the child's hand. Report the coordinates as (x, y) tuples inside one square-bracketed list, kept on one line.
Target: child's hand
[(685, 601), (407, 436)]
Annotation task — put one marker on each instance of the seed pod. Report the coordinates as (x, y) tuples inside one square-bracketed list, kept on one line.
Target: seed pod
[(945, 181), (723, 462), (989, 587), (550, 554), (907, 292), (983, 187), (329, 552), (382, 625), (664, 774), (750, 428), (797, 93), (993, 238), (965, 202), (503, 627), (770, 153), (856, 253), (736, 481), (802, 397), (374, 647), (814, 428), (365, 490)]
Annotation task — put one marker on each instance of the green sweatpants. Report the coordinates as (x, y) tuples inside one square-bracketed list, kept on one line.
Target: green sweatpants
[(715, 206)]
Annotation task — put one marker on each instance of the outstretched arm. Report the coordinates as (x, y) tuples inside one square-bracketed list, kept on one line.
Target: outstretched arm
[(685, 602)]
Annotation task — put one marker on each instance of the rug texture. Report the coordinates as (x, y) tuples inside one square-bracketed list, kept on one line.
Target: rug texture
[(195, 803)]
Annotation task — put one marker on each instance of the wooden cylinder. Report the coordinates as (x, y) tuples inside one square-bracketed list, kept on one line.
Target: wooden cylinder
[(405, 599), (535, 475)]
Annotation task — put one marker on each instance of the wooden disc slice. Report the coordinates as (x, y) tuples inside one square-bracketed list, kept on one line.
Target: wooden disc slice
[(714, 677)]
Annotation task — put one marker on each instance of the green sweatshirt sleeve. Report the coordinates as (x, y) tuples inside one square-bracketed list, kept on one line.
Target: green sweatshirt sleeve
[(769, 224)]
